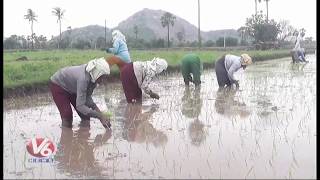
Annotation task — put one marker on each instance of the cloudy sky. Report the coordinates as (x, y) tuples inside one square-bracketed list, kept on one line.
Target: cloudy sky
[(215, 14)]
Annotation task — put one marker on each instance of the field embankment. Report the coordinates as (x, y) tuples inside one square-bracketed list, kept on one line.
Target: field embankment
[(32, 75)]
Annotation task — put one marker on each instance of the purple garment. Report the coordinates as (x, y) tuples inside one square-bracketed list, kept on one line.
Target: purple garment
[(130, 85)]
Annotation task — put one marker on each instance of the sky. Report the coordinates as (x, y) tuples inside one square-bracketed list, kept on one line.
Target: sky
[(215, 15)]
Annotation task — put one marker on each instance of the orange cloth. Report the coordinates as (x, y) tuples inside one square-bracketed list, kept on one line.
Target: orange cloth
[(115, 60)]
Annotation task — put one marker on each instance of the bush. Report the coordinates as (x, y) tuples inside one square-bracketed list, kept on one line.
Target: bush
[(230, 41)]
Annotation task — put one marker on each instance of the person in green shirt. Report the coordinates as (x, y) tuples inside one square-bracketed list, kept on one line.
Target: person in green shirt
[(191, 64)]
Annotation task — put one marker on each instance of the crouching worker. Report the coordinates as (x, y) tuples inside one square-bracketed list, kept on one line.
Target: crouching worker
[(75, 85), (136, 77), (119, 49), (190, 64), (227, 65)]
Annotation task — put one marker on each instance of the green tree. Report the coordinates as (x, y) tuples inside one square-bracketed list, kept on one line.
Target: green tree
[(11, 42), (42, 41), (158, 43), (209, 43), (230, 41), (180, 36), (308, 39), (243, 35), (57, 11), (135, 30), (260, 29), (166, 20), (31, 16), (285, 31), (100, 42)]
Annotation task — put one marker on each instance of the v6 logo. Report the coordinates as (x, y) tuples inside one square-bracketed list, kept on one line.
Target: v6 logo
[(41, 147)]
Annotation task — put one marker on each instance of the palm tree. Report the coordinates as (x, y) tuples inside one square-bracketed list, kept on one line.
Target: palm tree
[(267, 1), (199, 36), (167, 19), (135, 30), (255, 1), (59, 13), (31, 16), (242, 32)]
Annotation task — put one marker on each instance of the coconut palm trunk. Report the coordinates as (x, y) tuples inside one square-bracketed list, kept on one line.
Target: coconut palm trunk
[(31, 17), (166, 20), (199, 35), (168, 37), (255, 1), (59, 13), (32, 35), (267, 5), (59, 44)]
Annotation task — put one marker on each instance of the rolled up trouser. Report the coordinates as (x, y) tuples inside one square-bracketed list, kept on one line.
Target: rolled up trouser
[(294, 56), (62, 99), (221, 72), (301, 55), (190, 64), (130, 85)]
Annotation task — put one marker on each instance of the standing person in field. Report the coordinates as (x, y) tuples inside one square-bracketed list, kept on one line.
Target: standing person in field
[(74, 85), (191, 64), (227, 65), (119, 49), (137, 76)]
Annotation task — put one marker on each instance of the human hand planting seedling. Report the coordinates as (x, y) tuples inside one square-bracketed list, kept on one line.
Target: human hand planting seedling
[(107, 114), (105, 119), (106, 123), (237, 83), (154, 95)]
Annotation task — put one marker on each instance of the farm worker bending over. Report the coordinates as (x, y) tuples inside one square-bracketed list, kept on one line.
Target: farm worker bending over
[(300, 51), (75, 85), (227, 65), (120, 50), (138, 75), (190, 64)]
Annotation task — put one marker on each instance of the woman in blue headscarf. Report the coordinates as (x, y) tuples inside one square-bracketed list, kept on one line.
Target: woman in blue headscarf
[(120, 50)]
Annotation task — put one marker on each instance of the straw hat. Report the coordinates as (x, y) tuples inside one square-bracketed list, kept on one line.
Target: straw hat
[(246, 59)]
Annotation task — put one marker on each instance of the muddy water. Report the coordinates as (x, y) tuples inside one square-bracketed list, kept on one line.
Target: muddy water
[(267, 129)]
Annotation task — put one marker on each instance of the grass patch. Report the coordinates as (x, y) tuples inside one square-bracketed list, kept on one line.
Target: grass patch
[(41, 65)]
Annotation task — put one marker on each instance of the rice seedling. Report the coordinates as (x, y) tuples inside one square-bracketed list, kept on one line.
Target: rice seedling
[(232, 140)]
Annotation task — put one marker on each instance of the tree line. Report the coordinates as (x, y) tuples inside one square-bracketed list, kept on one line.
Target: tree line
[(258, 29)]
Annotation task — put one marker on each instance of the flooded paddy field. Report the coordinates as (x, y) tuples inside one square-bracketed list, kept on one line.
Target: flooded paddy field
[(267, 129)]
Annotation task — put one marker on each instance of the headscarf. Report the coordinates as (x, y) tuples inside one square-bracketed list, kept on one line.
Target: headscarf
[(246, 59), (116, 34), (97, 68), (157, 65)]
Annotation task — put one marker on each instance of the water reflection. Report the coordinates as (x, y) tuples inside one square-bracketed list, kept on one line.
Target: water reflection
[(227, 105), (191, 108), (137, 126), (298, 68), (191, 102), (75, 153)]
